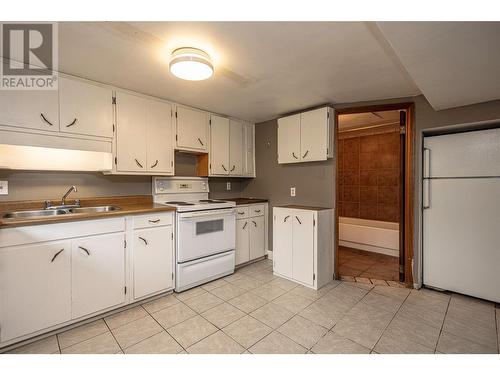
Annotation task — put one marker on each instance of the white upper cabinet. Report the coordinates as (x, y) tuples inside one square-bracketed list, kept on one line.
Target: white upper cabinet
[(249, 152), (85, 108), (131, 140), (219, 145), (236, 149), (306, 136), (144, 134), (191, 129), (30, 109), (159, 134)]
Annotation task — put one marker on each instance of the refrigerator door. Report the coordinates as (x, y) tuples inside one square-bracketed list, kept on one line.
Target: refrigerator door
[(461, 234), (469, 154)]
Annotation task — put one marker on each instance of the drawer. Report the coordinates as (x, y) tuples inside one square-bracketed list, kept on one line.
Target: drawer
[(153, 220), (242, 212), (256, 210)]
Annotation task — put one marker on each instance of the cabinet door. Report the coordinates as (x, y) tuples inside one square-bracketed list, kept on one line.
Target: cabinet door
[(97, 273), (314, 135), (31, 109), (289, 139), (153, 261), (303, 246), (35, 288), (236, 150), (257, 237), (85, 108), (219, 145), (242, 241), (249, 145), (192, 129), (159, 133), (282, 242), (130, 133)]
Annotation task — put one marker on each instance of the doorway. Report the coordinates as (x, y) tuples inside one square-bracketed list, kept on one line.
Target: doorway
[(373, 190)]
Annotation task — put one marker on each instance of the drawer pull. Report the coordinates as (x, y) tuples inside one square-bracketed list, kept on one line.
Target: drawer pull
[(244, 226), (241, 213), (254, 223), (295, 156), (199, 140), (45, 119), (154, 221), (300, 222), (305, 154), (84, 249), (72, 123), (143, 239), (225, 170), (139, 164), (233, 168), (56, 254), (286, 217), (257, 211), (155, 164)]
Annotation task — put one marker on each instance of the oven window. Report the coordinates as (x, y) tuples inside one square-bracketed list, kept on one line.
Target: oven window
[(203, 227)]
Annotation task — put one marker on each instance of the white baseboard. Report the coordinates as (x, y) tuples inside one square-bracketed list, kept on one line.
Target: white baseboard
[(269, 254)]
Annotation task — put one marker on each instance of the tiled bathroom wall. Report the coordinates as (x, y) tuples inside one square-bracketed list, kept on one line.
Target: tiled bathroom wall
[(369, 168)]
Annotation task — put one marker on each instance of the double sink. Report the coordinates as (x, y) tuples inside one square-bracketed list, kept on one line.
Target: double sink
[(57, 211)]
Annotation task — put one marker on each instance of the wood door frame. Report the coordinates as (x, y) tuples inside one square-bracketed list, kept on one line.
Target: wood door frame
[(409, 107)]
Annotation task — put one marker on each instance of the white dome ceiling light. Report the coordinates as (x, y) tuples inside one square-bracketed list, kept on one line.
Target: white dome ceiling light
[(191, 64)]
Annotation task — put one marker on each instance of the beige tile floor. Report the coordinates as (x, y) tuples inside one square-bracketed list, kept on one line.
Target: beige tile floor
[(254, 311)]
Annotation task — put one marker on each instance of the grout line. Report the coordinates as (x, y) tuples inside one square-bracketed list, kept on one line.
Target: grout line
[(442, 324), (58, 344), (114, 338), (165, 330)]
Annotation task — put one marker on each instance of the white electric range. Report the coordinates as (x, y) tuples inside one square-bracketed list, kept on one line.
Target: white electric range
[(205, 230)]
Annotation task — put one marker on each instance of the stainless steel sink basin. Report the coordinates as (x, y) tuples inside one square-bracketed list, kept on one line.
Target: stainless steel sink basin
[(32, 214), (89, 210)]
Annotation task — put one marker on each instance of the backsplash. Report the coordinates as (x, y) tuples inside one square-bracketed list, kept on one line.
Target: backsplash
[(369, 176)]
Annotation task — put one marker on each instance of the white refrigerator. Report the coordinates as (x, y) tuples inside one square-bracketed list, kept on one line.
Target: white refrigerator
[(461, 213)]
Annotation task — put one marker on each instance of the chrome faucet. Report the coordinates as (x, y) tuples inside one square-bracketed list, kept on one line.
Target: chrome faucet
[(71, 189), (49, 206)]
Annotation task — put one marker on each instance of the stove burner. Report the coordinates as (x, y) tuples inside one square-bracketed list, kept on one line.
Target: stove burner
[(209, 201), (180, 203)]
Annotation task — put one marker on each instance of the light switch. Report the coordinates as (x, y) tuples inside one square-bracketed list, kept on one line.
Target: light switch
[(228, 186), (4, 187), (292, 192)]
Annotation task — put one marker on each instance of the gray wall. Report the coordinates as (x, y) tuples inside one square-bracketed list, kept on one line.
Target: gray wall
[(315, 183)]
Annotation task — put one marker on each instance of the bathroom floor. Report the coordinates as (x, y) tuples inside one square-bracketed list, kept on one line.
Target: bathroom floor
[(253, 311), (365, 264)]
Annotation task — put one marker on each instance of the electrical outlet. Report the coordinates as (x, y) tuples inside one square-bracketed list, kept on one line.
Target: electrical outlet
[(292, 192), (228, 186), (4, 187)]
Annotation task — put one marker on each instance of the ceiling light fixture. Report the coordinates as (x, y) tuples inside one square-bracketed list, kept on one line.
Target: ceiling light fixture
[(191, 64)]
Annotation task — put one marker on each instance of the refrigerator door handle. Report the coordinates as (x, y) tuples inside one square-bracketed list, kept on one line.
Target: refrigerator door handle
[(427, 163), (426, 184)]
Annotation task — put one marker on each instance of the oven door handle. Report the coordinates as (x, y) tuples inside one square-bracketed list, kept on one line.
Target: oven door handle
[(209, 213)]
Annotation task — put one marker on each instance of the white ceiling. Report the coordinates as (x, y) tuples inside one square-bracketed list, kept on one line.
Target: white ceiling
[(366, 119), (453, 63), (262, 69)]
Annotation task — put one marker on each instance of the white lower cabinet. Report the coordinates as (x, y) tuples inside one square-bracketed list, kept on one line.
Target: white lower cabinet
[(153, 261), (57, 274), (97, 273), (35, 287), (250, 233), (303, 245)]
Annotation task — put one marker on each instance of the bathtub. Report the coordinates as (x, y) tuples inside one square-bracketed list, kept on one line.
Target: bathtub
[(369, 235)]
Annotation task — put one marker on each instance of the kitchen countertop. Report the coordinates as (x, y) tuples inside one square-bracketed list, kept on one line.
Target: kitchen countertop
[(298, 207), (240, 201), (130, 205)]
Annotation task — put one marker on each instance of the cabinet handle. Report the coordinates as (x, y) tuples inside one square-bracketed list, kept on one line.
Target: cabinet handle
[(145, 242), (233, 168), (139, 164), (154, 221), (224, 168), (256, 211), (300, 222), (254, 223), (199, 140), (84, 249), (56, 254), (286, 217), (241, 213), (45, 119), (295, 156), (244, 226), (72, 123), (305, 154), (155, 164)]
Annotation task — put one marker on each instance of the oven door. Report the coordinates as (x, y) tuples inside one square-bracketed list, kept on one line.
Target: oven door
[(203, 233)]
